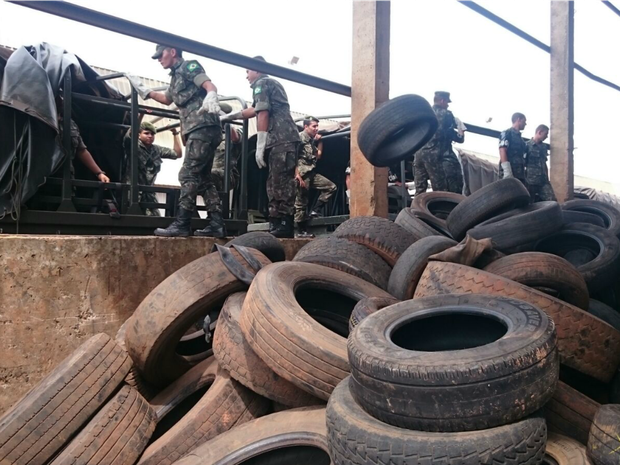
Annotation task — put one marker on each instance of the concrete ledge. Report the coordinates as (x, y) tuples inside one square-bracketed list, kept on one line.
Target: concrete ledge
[(56, 291)]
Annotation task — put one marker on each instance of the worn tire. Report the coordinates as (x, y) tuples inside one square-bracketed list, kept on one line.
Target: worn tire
[(235, 355), (286, 337), (367, 307), (520, 226), (563, 450), (585, 343), (293, 436), (600, 272), (355, 437), (347, 256), (605, 313), (491, 200), (409, 267), (546, 272), (408, 220), (43, 421), (570, 412), (385, 238), (134, 378), (454, 363), (164, 316), (225, 405), (574, 216), (396, 129), (608, 213), (604, 438), (262, 241), (117, 435), (438, 204)]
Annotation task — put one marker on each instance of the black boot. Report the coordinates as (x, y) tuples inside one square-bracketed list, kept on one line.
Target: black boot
[(180, 227), (273, 224), (303, 233), (285, 227), (216, 227), (316, 212)]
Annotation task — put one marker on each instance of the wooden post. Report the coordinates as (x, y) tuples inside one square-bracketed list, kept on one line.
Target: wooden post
[(370, 86), (562, 99)]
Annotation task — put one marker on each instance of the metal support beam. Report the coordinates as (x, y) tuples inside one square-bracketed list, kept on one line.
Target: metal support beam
[(562, 99), (134, 201), (66, 204), (370, 86)]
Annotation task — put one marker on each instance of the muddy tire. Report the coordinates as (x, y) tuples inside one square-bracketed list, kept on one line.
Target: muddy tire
[(293, 436), (570, 413), (117, 435), (437, 204), (164, 316), (262, 241), (134, 378), (43, 421), (385, 238), (225, 405), (367, 307), (347, 256), (287, 338), (608, 213), (563, 450), (485, 203), (396, 129), (573, 216), (235, 355), (355, 437), (408, 220), (454, 363), (585, 343), (604, 438), (548, 273), (409, 267)]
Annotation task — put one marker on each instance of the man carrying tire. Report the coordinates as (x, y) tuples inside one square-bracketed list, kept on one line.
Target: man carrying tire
[(307, 178), (536, 173), (512, 150), (195, 95), (277, 138)]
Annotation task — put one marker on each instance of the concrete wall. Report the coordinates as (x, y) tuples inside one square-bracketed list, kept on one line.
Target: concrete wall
[(56, 291)]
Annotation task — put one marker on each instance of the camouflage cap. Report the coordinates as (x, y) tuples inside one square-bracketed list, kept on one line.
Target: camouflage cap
[(443, 95), (146, 126), (159, 49)]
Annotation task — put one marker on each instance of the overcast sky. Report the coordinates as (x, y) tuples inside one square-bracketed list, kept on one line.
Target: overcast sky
[(435, 45)]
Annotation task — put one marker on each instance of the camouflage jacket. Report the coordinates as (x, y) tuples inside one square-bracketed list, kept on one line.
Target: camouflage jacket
[(307, 154), (511, 139), (446, 132), (269, 95), (536, 173), (149, 160), (187, 94)]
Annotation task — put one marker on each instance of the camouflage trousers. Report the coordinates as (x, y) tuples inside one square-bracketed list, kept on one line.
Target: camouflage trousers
[(518, 170), (313, 181), (218, 179), (281, 185), (195, 174), (454, 174), (428, 166), (144, 197), (541, 192)]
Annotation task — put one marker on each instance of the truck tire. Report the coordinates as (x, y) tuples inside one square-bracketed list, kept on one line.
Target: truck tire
[(574, 216), (368, 306), (585, 343), (546, 272), (604, 438), (608, 213), (355, 437), (170, 309), (570, 413), (43, 421), (408, 220), (286, 337), (562, 450), (385, 238), (133, 378), (117, 435), (409, 267), (438, 204), (347, 256), (293, 436), (262, 241), (396, 129), (235, 355), (454, 363)]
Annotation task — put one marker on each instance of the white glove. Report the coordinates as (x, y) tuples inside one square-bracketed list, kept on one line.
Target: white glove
[(261, 141), (137, 84), (507, 170), (231, 117), (459, 125), (210, 104)]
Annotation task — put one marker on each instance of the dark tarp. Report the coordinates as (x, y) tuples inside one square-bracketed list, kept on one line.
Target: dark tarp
[(30, 149)]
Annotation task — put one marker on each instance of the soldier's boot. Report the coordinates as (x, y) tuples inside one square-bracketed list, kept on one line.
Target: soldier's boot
[(303, 233), (285, 227), (180, 227), (317, 211), (216, 227)]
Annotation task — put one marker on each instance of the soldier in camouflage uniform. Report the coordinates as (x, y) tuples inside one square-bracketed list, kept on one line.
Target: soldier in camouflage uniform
[(308, 179), (195, 95), (150, 158), (219, 162), (436, 157), (536, 173), (512, 150), (277, 138)]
